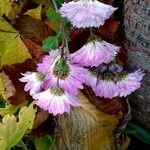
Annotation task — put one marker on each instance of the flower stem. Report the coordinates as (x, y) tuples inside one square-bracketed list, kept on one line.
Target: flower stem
[(55, 5), (23, 145), (65, 41)]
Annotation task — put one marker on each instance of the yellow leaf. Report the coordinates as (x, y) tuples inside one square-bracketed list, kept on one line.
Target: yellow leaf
[(2, 88), (9, 109), (12, 129), (16, 9), (12, 49), (5, 7), (16, 52), (35, 13)]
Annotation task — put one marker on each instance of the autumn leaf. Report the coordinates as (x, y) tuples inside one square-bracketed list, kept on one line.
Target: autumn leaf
[(109, 30), (114, 106), (5, 7), (8, 109), (34, 49), (12, 49), (12, 131), (14, 72), (33, 29), (75, 35), (8, 86), (2, 88), (35, 13), (40, 118), (15, 11)]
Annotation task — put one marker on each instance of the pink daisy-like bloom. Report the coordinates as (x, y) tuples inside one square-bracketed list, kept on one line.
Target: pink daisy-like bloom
[(34, 82), (48, 60), (106, 89), (86, 13), (91, 79), (71, 81), (95, 53), (129, 83), (102, 87), (56, 102)]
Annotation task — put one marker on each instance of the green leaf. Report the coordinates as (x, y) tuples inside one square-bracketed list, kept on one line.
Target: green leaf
[(59, 3), (65, 22), (138, 131), (12, 131), (43, 143), (9, 109), (50, 43), (52, 15)]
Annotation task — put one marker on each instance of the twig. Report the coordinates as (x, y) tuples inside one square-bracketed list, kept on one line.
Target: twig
[(23, 145)]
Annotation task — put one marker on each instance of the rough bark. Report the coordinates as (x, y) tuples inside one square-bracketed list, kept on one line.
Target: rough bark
[(137, 43)]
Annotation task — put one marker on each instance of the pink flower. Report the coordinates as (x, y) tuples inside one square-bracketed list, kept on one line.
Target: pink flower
[(95, 53), (48, 60), (129, 83), (102, 87), (86, 13), (91, 79), (106, 89), (71, 80), (34, 82), (55, 101)]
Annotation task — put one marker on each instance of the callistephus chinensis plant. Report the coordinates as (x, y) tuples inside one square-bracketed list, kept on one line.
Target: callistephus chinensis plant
[(86, 13), (60, 75), (55, 100)]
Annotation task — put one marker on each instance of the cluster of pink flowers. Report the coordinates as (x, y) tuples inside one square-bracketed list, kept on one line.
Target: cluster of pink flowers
[(55, 85), (114, 84)]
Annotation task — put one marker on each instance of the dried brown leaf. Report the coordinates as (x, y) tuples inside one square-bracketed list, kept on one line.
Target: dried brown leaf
[(34, 49), (14, 73), (108, 106), (33, 29)]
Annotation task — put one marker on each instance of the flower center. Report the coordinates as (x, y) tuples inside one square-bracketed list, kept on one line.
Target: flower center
[(121, 76), (40, 76), (57, 91), (61, 69), (108, 76)]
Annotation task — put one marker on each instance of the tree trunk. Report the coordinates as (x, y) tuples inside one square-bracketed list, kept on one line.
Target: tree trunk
[(137, 43)]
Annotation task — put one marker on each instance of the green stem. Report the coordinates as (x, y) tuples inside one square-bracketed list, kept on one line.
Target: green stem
[(55, 5), (91, 32), (65, 41), (23, 145)]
